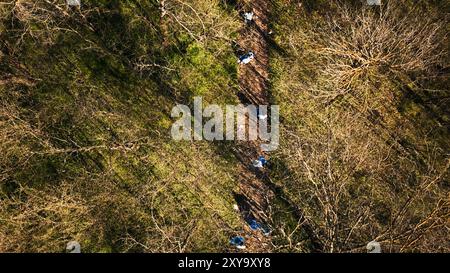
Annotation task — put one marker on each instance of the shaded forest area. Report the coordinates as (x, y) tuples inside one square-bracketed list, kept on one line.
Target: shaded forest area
[(86, 153)]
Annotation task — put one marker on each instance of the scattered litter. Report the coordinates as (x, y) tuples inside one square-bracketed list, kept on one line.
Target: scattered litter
[(248, 17), (73, 247), (254, 225), (236, 207), (246, 58), (260, 163), (263, 160), (238, 241), (257, 164)]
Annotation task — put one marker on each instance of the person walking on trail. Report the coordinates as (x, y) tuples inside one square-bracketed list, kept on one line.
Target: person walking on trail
[(246, 58)]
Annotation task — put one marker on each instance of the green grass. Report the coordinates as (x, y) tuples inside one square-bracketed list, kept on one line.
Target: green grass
[(159, 195)]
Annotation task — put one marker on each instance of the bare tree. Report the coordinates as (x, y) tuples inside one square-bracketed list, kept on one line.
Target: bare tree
[(358, 45)]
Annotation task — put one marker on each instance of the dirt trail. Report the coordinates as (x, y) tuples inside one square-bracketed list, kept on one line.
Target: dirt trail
[(256, 190), (254, 76), (254, 195)]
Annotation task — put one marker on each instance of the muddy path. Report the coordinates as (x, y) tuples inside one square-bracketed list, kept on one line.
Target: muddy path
[(254, 196), (256, 189), (253, 77)]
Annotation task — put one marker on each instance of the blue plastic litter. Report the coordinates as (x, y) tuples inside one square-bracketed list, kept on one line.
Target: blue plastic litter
[(262, 160), (254, 225), (245, 59), (237, 241)]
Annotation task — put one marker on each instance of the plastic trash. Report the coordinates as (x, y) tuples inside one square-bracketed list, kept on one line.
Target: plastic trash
[(245, 59), (254, 225), (257, 164), (260, 162), (248, 17), (263, 160), (238, 241)]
